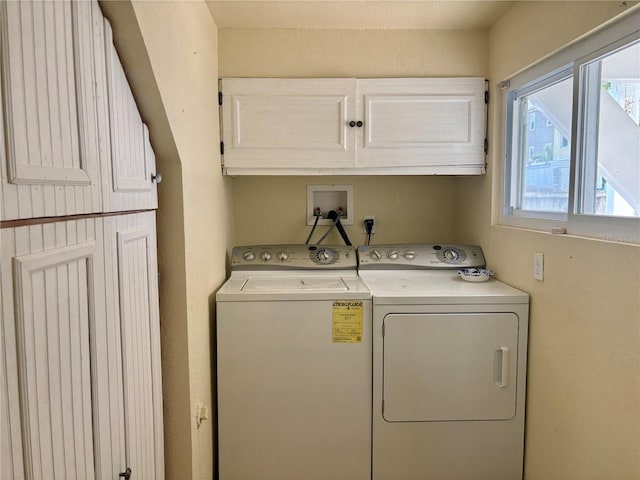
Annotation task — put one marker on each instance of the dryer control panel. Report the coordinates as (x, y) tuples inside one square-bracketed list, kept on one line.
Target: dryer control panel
[(419, 257), (294, 257)]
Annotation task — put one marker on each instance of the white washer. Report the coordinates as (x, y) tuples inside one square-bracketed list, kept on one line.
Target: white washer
[(449, 366), (294, 365)]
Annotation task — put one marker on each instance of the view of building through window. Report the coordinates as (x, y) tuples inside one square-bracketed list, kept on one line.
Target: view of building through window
[(614, 103), (610, 150), (546, 141)]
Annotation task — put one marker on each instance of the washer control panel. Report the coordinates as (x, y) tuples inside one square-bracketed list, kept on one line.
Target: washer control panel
[(283, 257), (419, 256)]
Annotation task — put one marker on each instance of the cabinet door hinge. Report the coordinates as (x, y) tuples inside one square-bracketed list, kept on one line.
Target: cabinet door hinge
[(219, 98), (221, 148), (486, 97), (486, 146)]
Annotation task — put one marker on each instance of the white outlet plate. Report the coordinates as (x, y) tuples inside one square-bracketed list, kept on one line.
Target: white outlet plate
[(538, 266), (330, 197)]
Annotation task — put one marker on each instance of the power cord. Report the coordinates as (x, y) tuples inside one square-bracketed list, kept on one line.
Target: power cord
[(337, 219), (368, 227), (317, 214)]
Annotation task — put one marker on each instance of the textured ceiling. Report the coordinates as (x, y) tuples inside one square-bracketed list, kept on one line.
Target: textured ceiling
[(357, 14)]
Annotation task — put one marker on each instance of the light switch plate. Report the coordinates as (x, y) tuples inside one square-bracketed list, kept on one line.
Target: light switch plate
[(538, 266)]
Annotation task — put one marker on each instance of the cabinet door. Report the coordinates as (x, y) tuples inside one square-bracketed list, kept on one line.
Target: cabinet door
[(49, 146), (270, 124), (132, 298), (437, 123), (129, 169), (52, 315)]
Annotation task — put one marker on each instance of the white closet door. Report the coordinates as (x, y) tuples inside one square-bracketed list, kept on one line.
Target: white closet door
[(129, 169), (52, 308), (422, 122), (49, 142), (132, 287)]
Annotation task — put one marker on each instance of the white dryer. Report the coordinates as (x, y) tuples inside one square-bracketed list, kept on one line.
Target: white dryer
[(294, 365), (449, 366)]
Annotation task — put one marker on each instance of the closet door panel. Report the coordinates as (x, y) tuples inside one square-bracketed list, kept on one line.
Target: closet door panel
[(129, 171), (11, 463), (132, 245), (52, 305), (50, 146)]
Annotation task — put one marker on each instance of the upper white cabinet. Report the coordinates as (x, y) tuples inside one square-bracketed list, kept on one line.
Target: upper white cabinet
[(432, 122), (353, 126), (71, 138), (49, 140), (284, 123)]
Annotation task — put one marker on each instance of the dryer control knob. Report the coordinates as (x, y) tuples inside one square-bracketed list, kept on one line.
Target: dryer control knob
[(410, 255), (266, 256), (375, 255), (249, 256), (283, 256), (393, 255)]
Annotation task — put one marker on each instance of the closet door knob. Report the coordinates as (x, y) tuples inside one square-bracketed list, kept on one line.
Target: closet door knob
[(359, 123), (352, 124), (126, 474), (156, 177)]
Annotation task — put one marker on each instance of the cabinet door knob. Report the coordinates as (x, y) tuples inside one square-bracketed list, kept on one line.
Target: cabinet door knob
[(156, 177), (359, 123), (126, 474), (352, 124)]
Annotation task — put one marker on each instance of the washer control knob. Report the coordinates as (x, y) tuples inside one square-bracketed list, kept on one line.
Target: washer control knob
[(393, 255), (375, 255), (282, 256), (249, 256), (410, 255), (266, 256), (451, 255)]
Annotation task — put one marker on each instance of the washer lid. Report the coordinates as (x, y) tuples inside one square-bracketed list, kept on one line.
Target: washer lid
[(279, 284), (284, 286)]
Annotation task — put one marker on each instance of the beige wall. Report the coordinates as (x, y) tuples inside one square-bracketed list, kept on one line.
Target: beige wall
[(583, 417), (407, 209), (169, 50)]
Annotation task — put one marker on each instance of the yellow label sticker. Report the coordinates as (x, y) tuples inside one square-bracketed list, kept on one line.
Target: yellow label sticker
[(347, 321)]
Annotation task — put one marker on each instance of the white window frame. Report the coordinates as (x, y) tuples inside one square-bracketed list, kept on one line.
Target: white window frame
[(567, 62)]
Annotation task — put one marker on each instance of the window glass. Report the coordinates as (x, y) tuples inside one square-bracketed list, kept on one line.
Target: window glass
[(610, 160), (543, 148)]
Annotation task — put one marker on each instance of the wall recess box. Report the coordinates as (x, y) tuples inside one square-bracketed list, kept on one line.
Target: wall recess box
[(327, 198)]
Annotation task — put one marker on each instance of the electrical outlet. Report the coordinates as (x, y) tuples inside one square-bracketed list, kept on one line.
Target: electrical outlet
[(538, 266), (372, 219)]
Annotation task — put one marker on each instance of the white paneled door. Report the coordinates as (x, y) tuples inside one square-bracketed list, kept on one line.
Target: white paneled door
[(53, 302), (80, 380), (129, 173), (49, 145), (132, 285)]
